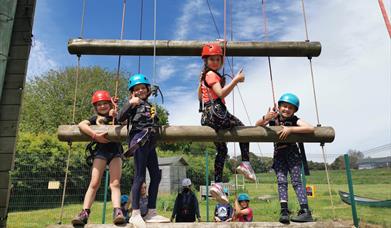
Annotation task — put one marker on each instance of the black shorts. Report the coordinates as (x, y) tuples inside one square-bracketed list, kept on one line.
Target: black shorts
[(108, 151)]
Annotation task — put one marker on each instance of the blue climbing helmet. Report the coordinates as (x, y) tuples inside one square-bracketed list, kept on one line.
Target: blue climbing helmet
[(124, 199), (243, 197), (290, 98), (137, 79), (225, 190)]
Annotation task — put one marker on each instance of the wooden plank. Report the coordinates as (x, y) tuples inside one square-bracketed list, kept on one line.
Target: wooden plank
[(14, 81), (4, 179), (7, 145), (21, 38), (16, 66), (8, 128), (202, 134), (317, 224), (23, 24), (9, 112), (18, 52), (4, 197), (191, 48), (11, 97), (6, 162)]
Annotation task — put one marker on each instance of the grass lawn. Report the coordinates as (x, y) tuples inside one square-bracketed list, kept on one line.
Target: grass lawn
[(368, 183)]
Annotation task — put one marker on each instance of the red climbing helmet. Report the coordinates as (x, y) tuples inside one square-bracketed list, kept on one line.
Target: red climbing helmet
[(211, 49), (100, 95)]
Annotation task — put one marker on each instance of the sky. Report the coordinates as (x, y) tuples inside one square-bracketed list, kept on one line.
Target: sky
[(352, 74)]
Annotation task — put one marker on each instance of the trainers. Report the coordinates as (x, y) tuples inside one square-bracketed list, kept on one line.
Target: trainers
[(136, 220), (81, 219), (118, 216), (284, 216), (304, 215), (247, 171), (217, 192), (153, 217)]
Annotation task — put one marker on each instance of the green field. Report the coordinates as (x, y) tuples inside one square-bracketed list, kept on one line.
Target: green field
[(370, 183)]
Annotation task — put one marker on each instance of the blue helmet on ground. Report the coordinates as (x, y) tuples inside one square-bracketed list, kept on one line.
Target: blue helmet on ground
[(243, 197), (290, 98), (124, 199), (137, 79)]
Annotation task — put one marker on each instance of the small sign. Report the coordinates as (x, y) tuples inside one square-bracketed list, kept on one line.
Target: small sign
[(54, 185), (310, 189)]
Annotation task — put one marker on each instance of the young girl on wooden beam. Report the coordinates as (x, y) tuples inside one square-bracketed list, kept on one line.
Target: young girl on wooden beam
[(212, 91), (142, 119), (287, 157), (103, 153)]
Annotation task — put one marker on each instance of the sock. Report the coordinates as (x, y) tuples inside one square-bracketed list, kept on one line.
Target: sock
[(88, 211)]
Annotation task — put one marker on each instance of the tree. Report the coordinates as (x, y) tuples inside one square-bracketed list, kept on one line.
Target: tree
[(354, 156)]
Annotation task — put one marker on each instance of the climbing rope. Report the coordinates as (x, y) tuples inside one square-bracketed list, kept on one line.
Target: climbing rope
[(140, 33), (265, 25), (114, 101), (385, 17), (317, 110), (73, 114)]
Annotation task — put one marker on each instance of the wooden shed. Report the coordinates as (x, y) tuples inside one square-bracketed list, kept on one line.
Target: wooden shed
[(173, 171)]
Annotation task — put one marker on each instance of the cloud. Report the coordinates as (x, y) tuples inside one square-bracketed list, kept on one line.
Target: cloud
[(40, 60), (352, 75)]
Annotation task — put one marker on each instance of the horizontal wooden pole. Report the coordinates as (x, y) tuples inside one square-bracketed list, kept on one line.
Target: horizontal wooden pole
[(190, 48), (201, 134)]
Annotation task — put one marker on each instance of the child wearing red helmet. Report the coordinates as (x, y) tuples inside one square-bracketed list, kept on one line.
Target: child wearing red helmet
[(105, 153), (212, 92)]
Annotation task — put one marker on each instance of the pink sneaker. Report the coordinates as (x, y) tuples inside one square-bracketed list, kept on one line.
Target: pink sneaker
[(217, 192), (247, 171)]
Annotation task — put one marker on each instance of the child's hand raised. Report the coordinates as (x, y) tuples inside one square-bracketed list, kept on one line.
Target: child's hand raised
[(100, 137), (284, 132), (239, 77), (134, 101), (113, 113), (270, 114)]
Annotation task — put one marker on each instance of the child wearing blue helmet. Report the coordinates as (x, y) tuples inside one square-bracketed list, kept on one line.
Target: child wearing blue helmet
[(142, 120), (287, 157), (243, 211)]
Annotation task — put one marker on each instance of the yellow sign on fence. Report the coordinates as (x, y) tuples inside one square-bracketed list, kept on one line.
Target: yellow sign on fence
[(54, 185)]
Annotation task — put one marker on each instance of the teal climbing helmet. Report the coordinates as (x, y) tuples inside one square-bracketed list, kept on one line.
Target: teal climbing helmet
[(137, 79), (226, 191), (243, 197), (290, 98)]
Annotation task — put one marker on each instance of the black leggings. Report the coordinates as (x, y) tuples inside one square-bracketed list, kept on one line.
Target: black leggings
[(229, 121), (145, 157)]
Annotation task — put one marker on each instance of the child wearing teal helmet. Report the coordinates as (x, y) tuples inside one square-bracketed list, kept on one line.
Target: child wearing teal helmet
[(142, 118), (243, 212), (287, 157)]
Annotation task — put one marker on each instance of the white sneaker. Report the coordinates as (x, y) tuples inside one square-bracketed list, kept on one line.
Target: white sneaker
[(247, 171), (217, 192), (137, 220), (153, 217)]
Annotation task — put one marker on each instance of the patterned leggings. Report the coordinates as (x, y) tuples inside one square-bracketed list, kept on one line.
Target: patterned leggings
[(213, 121), (289, 160)]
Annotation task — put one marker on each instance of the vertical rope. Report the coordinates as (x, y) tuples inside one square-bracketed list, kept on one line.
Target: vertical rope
[(73, 114), (140, 33), (119, 57), (317, 111), (266, 32)]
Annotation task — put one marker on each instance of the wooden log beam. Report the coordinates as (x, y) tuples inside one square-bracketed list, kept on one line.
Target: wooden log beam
[(190, 48), (201, 134)]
